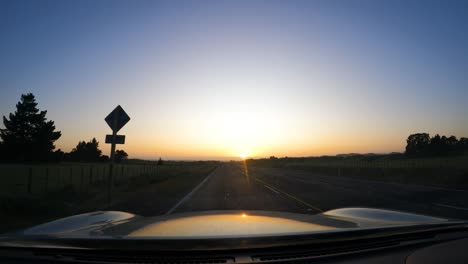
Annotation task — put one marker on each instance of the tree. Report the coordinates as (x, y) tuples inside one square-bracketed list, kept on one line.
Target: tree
[(120, 155), (3, 155), (452, 145), (104, 158), (445, 146), (27, 135), (160, 162), (58, 155), (86, 151), (437, 146), (417, 144), (421, 145), (463, 146)]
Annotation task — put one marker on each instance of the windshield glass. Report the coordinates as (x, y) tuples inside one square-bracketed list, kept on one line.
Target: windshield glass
[(156, 108)]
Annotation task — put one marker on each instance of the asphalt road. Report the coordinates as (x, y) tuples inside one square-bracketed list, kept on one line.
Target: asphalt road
[(234, 187)]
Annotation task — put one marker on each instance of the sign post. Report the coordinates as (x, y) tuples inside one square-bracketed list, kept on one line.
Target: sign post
[(116, 120)]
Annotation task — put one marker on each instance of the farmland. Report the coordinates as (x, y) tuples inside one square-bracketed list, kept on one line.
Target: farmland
[(35, 193), (436, 171)]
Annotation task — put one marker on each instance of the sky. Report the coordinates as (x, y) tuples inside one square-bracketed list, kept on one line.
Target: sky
[(221, 79)]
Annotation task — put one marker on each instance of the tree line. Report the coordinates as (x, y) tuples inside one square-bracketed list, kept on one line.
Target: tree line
[(423, 145), (90, 152), (29, 137)]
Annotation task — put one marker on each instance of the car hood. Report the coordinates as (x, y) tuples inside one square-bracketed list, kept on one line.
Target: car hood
[(221, 224)]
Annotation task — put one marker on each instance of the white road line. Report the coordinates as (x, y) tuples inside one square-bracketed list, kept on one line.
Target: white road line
[(186, 197), (453, 207), (290, 196), (271, 189)]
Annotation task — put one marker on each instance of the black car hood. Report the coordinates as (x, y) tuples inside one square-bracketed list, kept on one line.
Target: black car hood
[(220, 224)]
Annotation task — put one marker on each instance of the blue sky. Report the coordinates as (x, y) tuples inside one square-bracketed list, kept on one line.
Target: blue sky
[(214, 79)]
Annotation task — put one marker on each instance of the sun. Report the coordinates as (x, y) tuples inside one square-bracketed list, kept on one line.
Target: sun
[(243, 155)]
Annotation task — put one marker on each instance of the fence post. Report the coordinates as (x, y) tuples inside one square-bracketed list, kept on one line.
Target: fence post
[(29, 179), (46, 179), (145, 169), (90, 175), (122, 173), (71, 175), (82, 178), (62, 176)]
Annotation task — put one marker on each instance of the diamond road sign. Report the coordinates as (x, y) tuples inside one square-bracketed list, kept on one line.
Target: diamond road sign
[(117, 119)]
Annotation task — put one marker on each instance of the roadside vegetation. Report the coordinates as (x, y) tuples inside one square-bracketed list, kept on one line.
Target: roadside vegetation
[(160, 183), (435, 161), (39, 183), (446, 171)]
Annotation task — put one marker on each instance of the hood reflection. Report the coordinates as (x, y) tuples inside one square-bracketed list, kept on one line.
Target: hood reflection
[(226, 225)]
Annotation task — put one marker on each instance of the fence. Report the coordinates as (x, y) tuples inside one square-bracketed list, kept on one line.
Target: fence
[(37, 179), (452, 162)]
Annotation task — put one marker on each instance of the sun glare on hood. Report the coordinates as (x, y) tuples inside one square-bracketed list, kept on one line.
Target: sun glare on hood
[(226, 225)]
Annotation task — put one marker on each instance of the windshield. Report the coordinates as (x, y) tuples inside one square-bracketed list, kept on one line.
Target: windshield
[(155, 108)]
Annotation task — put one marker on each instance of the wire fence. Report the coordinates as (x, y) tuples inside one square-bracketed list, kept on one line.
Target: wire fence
[(454, 163), (38, 179)]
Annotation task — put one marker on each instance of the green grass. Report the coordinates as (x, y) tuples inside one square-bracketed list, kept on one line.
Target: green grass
[(384, 161), (42, 178), (22, 209), (443, 172), (451, 162)]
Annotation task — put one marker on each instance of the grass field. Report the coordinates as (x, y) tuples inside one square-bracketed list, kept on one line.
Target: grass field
[(67, 194), (43, 178), (384, 161), (445, 172)]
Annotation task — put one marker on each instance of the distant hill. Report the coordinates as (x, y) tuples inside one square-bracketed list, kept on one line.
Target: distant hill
[(346, 155)]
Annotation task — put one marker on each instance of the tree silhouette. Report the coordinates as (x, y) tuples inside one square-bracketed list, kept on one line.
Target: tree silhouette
[(417, 144), (160, 162), (421, 145), (104, 158), (27, 135), (437, 146), (86, 151), (463, 146), (120, 155), (3, 154), (452, 145)]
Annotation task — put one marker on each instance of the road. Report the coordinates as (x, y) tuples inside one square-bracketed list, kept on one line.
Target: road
[(232, 186), (235, 187)]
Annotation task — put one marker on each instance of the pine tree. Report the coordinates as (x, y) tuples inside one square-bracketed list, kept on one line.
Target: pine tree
[(27, 135)]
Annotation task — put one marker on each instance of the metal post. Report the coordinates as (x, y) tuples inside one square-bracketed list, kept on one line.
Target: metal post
[(110, 182)]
